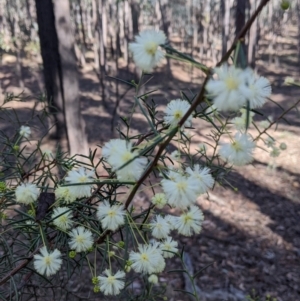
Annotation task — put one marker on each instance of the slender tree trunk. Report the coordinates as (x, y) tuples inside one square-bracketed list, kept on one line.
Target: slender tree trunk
[(135, 12), (253, 37), (13, 20), (240, 20), (51, 62), (298, 14), (80, 42), (206, 17), (74, 121), (102, 35), (271, 34), (118, 33), (82, 27), (125, 25), (103, 17), (89, 21), (60, 71), (195, 23), (225, 12), (96, 36), (165, 18)]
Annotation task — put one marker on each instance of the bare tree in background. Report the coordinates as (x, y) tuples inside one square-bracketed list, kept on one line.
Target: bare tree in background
[(298, 18), (13, 19), (51, 63), (240, 20), (253, 36), (60, 71), (135, 13), (225, 11)]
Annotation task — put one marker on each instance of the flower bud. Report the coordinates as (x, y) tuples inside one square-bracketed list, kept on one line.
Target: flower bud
[(2, 187), (121, 244), (275, 152), (96, 289), (153, 279), (285, 4), (16, 148), (3, 216), (31, 212), (283, 146), (127, 268)]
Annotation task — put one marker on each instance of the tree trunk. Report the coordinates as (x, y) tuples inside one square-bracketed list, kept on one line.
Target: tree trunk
[(240, 20), (60, 72), (74, 121), (165, 18), (13, 20), (125, 25), (135, 13), (253, 37), (51, 63), (225, 12), (271, 34), (96, 44), (298, 14), (101, 39)]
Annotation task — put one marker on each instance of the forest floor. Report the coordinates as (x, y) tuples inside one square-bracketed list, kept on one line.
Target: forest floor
[(251, 235)]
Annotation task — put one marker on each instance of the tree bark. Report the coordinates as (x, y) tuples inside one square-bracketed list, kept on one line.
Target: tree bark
[(75, 126), (240, 20), (135, 13), (225, 12), (101, 40), (253, 37), (165, 18), (51, 62), (60, 72), (298, 14), (13, 20)]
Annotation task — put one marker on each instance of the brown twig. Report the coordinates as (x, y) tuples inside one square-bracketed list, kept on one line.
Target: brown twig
[(28, 174), (143, 137), (19, 267), (280, 117)]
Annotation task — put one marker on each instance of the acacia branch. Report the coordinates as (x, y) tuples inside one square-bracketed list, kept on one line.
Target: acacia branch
[(197, 101)]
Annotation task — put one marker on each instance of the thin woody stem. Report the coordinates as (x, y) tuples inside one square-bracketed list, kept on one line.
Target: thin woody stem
[(197, 101), (280, 117)]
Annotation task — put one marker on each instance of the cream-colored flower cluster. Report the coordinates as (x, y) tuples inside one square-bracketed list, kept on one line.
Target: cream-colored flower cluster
[(125, 161), (81, 239), (234, 87), (146, 51), (178, 187)]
